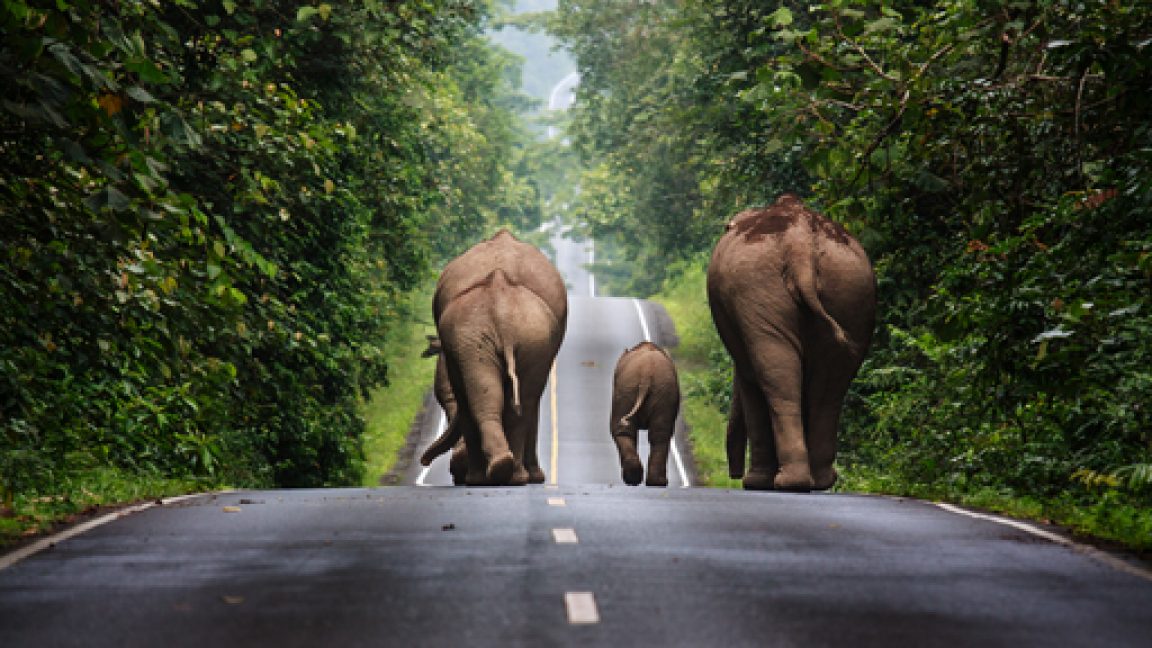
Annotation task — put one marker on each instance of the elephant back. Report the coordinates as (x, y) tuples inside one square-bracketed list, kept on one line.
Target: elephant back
[(523, 265)]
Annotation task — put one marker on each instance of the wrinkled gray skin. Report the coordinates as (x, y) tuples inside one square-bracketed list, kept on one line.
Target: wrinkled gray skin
[(442, 389), (645, 395), (501, 310), (793, 298)]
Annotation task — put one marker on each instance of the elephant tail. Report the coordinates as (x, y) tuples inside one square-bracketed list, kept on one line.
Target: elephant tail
[(510, 363), (806, 283), (442, 444), (641, 396)]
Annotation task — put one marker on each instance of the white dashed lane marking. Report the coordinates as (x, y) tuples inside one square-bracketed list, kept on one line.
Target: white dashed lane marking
[(565, 536), (581, 608), (556, 501)]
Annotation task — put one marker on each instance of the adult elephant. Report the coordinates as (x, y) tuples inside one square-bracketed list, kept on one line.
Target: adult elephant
[(793, 298), (442, 389), (501, 311)]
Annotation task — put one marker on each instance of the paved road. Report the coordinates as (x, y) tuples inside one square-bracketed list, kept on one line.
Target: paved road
[(410, 566), (586, 561)]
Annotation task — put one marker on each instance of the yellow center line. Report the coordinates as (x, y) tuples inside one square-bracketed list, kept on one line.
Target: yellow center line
[(555, 428)]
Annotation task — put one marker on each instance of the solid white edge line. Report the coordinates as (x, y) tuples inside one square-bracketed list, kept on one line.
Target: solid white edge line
[(1091, 552), (680, 466), (439, 430), (10, 559), (554, 458), (643, 320), (684, 483), (591, 261)]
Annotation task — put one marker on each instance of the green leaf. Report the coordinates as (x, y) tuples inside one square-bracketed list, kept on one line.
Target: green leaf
[(782, 17), (140, 94), (147, 70)]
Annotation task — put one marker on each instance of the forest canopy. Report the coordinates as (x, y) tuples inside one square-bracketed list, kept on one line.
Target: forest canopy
[(994, 158), (208, 211)]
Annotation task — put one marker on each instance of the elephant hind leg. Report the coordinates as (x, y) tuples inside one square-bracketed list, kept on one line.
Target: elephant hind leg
[(822, 429), (755, 425), (658, 462), (736, 440), (631, 470), (772, 413), (459, 462), (501, 469), (660, 432), (826, 381)]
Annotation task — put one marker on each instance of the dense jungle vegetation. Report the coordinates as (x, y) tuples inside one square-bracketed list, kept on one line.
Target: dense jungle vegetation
[(217, 218), (211, 216), (995, 159)]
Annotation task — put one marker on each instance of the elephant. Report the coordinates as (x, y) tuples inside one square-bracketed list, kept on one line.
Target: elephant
[(522, 263), (442, 389), (501, 311), (793, 298), (645, 394)]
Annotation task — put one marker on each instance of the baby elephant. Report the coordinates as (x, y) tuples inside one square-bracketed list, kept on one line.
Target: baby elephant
[(645, 394)]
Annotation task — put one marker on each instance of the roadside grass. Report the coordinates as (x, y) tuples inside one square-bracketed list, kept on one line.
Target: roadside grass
[(84, 493), (686, 302), (1109, 515), (389, 411)]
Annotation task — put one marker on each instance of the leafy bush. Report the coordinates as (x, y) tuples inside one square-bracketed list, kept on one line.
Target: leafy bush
[(992, 158), (211, 210)]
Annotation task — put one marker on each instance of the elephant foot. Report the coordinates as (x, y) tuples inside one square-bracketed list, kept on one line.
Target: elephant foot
[(500, 469), (459, 469), (658, 481), (536, 475), (824, 479), (632, 471), (796, 480), (757, 480), (519, 476)]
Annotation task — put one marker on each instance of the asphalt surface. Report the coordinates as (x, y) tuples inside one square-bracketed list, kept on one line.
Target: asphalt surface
[(583, 561), (411, 566)]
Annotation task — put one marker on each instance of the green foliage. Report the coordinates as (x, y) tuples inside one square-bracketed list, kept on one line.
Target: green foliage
[(211, 211), (996, 165), (672, 150), (705, 376), (993, 158), (390, 409)]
